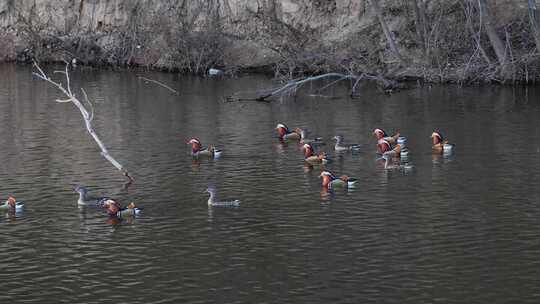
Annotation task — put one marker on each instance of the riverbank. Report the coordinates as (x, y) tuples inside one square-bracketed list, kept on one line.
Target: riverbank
[(432, 41)]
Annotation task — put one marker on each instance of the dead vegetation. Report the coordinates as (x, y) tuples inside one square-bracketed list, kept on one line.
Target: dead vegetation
[(463, 41)]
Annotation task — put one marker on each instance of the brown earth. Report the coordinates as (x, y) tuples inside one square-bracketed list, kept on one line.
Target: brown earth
[(435, 40)]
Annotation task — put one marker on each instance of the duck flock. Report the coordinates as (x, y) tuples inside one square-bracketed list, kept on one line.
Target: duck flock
[(390, 148)]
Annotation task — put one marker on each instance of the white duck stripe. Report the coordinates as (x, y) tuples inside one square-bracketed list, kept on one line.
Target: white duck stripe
[(282, 126), (378, 131)]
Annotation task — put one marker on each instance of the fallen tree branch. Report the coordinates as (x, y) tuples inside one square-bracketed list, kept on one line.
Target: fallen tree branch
[(330, 84), (160, 84), (292, 86), (87, 116)]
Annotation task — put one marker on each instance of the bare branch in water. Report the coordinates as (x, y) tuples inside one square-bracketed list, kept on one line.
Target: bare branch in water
[(85, 114), (89, 103), (159, 83), (292, 86)]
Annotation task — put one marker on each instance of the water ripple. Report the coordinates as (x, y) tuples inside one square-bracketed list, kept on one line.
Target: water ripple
[(458, 229)]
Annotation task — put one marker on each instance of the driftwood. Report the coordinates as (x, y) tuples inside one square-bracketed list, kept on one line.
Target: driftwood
[(87, 116), (160, 84), (291, 87)]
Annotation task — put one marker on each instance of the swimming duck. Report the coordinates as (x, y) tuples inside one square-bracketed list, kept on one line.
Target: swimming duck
[(305, 140), (381, 134), (329, 180), (313, 159), (389, 164), (198, 150), (212, 200), (87, 200), (440, 145), (341, 147), (114, 209), (286, 134), (11, 205)]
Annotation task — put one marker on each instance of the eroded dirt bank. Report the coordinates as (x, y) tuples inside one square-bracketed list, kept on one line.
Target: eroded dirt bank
[(432, 40)]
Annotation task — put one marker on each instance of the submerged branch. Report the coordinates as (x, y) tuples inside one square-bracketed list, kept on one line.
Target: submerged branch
[(294, 85), (160, 84), (88, 117)]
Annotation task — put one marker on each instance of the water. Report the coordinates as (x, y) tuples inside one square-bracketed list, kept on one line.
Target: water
[(459, 229)]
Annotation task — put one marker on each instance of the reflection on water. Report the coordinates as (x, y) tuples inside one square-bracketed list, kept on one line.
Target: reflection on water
[(461, 228)]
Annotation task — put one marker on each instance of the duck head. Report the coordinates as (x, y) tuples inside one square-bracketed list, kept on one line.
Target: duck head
[(81, 190), (379, 133), (195, 144), (108, 203), (308, 150), (436, 137), (282, 130), (11, 201), (327, 178), (131, 205), (112, 206), (338, 139), (211, 189)]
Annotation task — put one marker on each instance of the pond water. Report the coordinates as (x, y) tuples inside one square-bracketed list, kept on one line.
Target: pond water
[(458, 229)]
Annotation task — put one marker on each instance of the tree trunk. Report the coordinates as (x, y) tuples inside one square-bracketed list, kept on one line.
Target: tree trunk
[(391, 41), (468, 11), (496, 42), (420, 20), (534, 19)]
